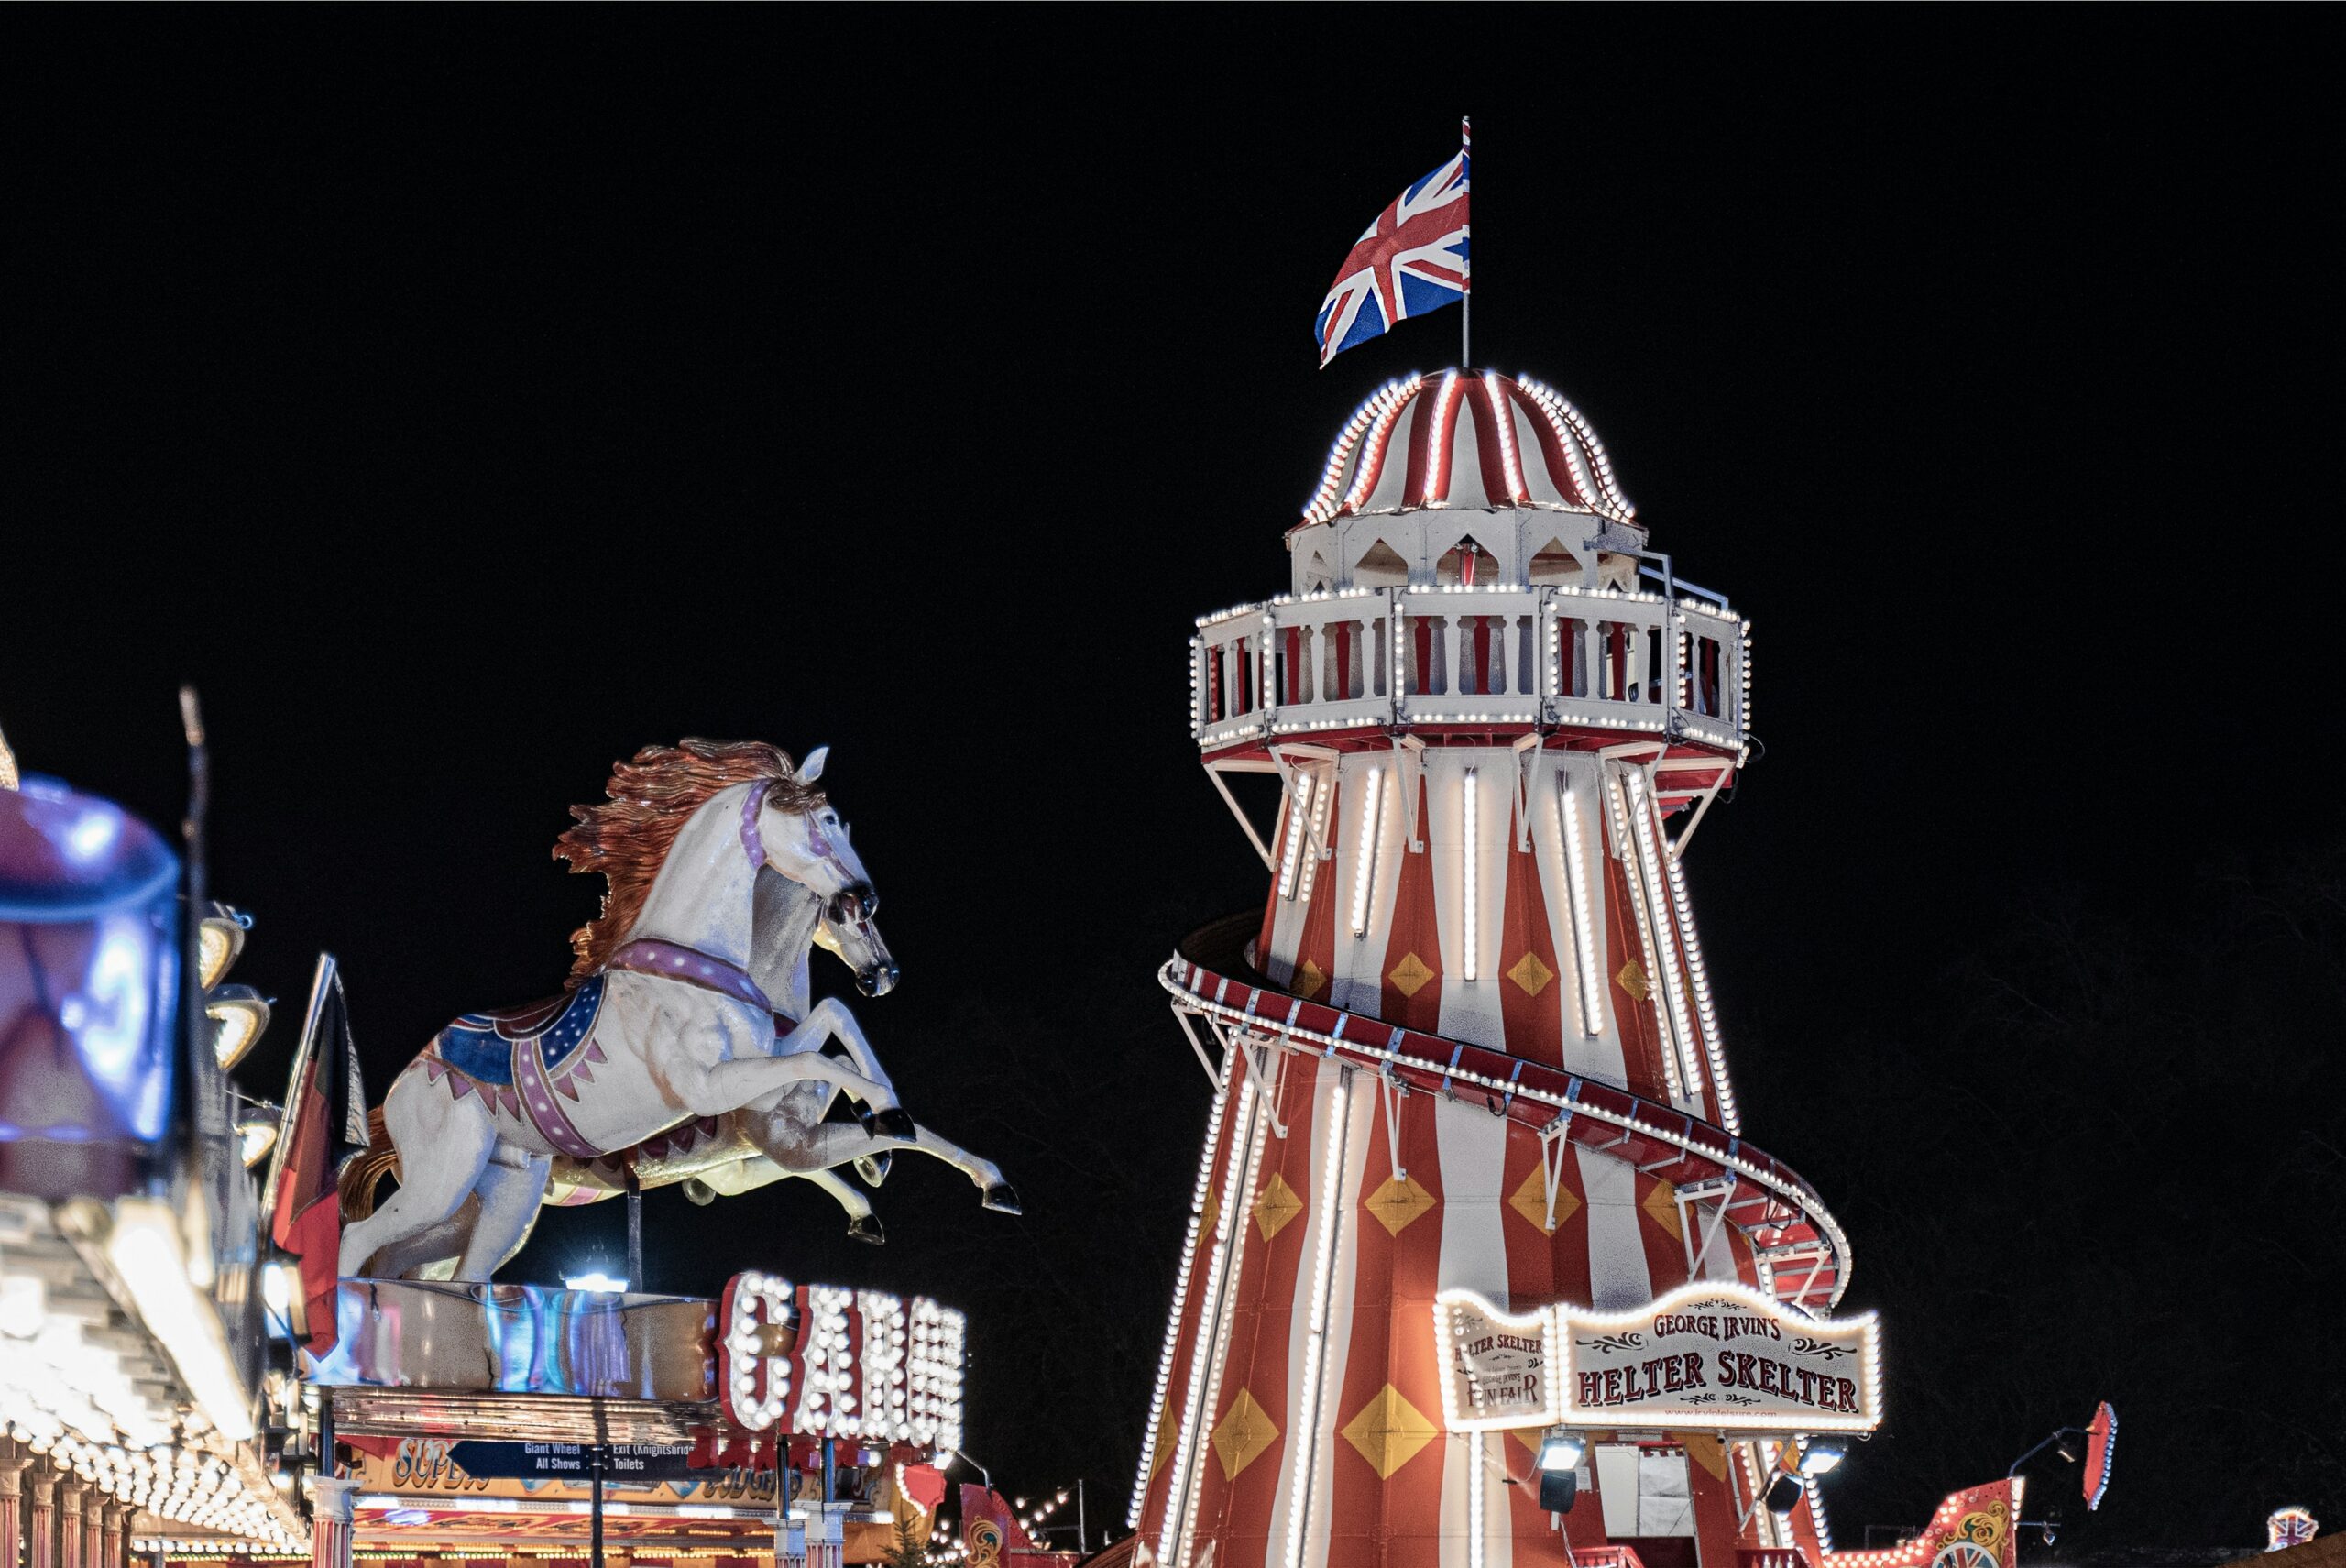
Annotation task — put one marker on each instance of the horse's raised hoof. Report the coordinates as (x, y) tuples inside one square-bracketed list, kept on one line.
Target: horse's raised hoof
[(895, 1122), (699, 1192), (866, 1228), (872, 1168), (1003, 1198)]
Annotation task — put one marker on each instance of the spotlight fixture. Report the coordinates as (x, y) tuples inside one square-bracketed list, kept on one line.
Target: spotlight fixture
[(1783, 1493), (1820, 1458), (1560, 1454), (1560, 1449)]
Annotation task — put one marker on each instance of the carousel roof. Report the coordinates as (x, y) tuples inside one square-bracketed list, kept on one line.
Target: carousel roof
[(1465, 439)]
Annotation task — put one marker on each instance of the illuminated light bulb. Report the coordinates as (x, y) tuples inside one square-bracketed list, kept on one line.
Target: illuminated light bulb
[(218, 941), (255, 1135), (241, 1014)]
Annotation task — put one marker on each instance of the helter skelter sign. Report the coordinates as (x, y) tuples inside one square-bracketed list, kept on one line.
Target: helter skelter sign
[(1709, 1354)]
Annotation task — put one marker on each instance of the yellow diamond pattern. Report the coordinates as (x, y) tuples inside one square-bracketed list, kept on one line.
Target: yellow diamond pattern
[(1409, 976), (1398, 1202), (1156, 1450), (1208, 1218), (1388, 1431), (1662, 1204), (1530, 1200), (1244, 1431), (1275, 1206), (1310, 980), (1531, 973), (1632, 978)]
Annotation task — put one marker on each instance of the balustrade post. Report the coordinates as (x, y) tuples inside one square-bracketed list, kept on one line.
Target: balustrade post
[(40, 1535), (14, 1458), (112, 1518), (69, 1522), (93, 1525), (1672, 668), (330, 1516)]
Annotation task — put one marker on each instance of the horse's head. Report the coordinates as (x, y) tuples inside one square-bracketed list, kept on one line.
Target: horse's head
[(811, 849)]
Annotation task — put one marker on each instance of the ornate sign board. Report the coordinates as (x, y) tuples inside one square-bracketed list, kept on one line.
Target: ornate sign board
[(1495, 1364), (1708, 1354)]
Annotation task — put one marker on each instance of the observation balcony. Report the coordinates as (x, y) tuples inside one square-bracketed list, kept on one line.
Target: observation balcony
[(1541, 657)]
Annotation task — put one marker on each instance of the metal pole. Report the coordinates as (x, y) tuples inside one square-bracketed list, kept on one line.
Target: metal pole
[(830, 1471), (635, 1233), (595, 1530), (1082, 1529), (1466, 282)]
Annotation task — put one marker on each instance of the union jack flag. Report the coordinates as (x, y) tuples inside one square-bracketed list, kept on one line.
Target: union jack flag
[(1413, 260)]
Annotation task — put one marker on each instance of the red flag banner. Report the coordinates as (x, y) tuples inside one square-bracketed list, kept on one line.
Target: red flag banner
[(324, 1125), (2102, 1447)]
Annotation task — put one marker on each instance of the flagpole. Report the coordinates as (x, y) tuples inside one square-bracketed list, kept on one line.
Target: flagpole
[(1466, 294)]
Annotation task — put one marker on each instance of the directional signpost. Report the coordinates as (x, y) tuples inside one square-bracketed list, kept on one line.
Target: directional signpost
[(641, 1462)]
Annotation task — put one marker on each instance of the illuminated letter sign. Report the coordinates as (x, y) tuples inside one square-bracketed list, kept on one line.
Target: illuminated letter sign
[(756, 1331), (1718, 1355)]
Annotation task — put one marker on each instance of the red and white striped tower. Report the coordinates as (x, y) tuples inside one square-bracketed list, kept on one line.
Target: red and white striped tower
[(1469, 1042)]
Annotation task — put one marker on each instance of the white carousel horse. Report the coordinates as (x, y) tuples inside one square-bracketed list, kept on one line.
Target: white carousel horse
[(726, 866)]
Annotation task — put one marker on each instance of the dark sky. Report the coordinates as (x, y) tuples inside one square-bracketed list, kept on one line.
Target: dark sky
[(464, 400)]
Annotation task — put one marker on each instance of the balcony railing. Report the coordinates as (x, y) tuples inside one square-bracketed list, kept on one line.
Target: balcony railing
[(1373, 658)]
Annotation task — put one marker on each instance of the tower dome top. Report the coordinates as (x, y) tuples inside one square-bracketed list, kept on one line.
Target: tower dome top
[(1462, 440)]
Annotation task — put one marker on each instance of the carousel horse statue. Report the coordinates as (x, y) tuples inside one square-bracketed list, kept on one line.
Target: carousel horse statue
[(685, 1047)]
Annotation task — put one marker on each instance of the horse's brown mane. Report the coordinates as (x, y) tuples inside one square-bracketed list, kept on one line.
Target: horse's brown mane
[(651, 798)]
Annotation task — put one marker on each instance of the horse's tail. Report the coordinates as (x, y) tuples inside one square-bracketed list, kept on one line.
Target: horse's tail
[(365, 1170)]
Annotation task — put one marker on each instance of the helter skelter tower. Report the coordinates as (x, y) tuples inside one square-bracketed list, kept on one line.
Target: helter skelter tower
[(1473, 1177)]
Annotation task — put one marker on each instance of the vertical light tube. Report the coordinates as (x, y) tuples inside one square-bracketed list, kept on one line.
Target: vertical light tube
[(1315, 1345), (1318, 837), (1204, 1356), (1180, 1296), (1214, 1350), (1297, 817), (1592, 979), (1372, 824), (1644, 827), (1474, 1500), (1470, 932), (1627, 826)]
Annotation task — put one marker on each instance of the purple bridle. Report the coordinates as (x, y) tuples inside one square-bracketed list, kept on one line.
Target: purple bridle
[(754, 843)]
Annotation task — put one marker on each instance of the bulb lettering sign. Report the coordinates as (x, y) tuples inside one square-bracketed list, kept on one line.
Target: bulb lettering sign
[(823, 1361), (1709, 1354)]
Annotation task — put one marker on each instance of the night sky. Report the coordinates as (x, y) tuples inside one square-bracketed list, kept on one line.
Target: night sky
[(462, 407)]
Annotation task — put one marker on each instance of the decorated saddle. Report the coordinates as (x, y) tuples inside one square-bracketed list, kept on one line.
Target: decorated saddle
[(524, 1060)]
